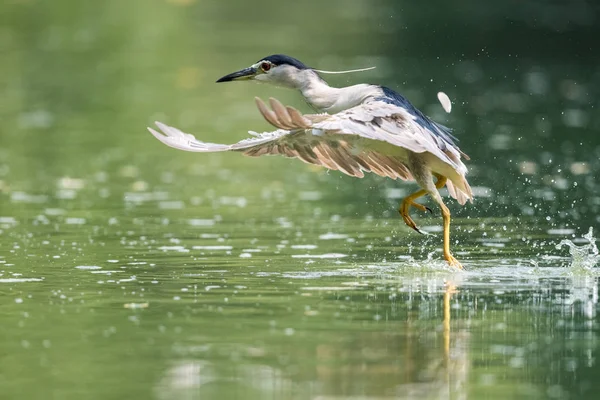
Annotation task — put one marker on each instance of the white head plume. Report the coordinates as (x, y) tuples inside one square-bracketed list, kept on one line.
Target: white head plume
[(344, 72)]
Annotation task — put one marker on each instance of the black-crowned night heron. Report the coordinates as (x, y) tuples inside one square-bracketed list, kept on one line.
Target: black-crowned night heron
[(363, 128)]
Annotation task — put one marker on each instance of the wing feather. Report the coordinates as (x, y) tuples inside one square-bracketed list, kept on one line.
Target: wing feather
[(353, 141)]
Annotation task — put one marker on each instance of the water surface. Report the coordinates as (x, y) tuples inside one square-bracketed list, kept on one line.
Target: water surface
[(131, 270)]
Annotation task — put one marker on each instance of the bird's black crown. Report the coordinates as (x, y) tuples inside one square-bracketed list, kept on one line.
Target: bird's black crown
[(281, 59)]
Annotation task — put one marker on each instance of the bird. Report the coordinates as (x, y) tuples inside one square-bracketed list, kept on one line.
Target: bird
[(357, 129)]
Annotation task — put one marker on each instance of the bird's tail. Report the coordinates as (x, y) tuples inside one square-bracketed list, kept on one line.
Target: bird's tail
[(461, 192)]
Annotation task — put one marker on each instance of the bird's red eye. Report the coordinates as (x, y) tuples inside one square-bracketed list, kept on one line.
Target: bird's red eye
[(265, 66)]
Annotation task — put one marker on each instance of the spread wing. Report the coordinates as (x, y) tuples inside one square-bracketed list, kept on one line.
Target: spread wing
[(350, 154), (372, 137)]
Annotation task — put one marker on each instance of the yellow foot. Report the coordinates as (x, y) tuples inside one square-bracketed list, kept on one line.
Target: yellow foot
[(406, 217), (421, 207), (453, 262), (409, 221)]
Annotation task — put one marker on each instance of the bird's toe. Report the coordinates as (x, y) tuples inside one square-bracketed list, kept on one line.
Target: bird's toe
[(453, 262)]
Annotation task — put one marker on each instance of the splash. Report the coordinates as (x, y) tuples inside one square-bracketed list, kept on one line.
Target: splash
[(583, 257)]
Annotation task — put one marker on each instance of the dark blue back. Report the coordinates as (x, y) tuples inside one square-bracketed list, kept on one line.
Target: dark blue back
[(438, 130)]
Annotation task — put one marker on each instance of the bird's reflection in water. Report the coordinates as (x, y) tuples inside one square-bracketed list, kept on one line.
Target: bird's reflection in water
[(422, 361), (417, 353), (434, 338)]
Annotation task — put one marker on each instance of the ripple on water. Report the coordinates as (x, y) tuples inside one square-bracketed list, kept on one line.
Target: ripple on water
[(22, 197), (8, 221), (141, 197), (493, 244), (208, 235), (333, 236), (106, 272), (310, 196), (233, 201), (65, 194), (326, 288), (180, 249), (75, 221), (203, 222), (558, 231), (20, 280), (304, 246), (215, 247), (327, 255), (171, 205)]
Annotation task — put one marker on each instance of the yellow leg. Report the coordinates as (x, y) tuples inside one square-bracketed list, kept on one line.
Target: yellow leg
[(441, 181), (453, 262), (410, 201), (447, 255)]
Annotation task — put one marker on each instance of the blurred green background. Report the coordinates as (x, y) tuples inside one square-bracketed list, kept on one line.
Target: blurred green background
[(132, 270)]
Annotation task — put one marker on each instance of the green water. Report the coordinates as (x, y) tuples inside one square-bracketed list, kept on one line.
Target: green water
[(132, 270)]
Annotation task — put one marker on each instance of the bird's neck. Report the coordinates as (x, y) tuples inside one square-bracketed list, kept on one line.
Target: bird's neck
[(329, 99)]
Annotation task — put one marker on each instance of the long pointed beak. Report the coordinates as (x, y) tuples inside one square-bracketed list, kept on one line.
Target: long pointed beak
[(245, 74)]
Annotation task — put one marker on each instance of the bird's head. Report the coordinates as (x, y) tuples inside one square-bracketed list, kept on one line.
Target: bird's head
[(278, 69)]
